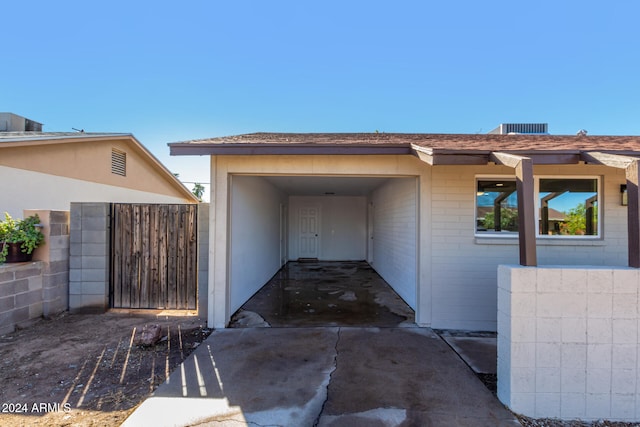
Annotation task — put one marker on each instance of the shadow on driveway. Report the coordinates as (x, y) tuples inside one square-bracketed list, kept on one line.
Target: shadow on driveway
[(331, 376)]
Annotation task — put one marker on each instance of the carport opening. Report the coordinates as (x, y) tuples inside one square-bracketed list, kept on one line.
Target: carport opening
[(325, 293), (277, 220)]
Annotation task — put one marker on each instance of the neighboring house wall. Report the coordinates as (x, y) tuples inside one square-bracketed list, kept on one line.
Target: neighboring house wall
[(22, 189), (465, 267), (343, 227), (255, 236), (91, 160), (568, 344), (395, 209)]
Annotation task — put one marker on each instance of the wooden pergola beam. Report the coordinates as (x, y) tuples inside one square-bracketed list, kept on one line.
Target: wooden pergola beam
[(523, 167), (631, 168), (607, 159)]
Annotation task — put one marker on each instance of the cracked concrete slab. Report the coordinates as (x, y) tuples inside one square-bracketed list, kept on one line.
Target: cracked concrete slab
[(327, 293), (480, 353), (329, 377)]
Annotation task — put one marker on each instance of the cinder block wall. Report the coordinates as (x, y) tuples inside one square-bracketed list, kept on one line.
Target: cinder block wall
[(89, 259), (55, 254), (568, 344), (39, 288), (20, 294)]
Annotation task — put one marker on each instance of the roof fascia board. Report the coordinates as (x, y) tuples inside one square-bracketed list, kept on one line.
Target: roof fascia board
[(462, 158)]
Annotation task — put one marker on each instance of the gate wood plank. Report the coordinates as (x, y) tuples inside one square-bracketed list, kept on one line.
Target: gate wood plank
[(192, 258), (172, 255), (135, 257), (163, 265), (154, 256), (144, 244), (180, 279), (126, 249), (116, 284)]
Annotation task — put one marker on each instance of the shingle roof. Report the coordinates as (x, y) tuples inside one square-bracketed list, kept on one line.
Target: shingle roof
[(42, 136), (435, 149), (464, 142)]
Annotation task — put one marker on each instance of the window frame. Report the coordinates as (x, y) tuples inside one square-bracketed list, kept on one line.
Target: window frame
[(536, 182), (598, 235), (490, 234)]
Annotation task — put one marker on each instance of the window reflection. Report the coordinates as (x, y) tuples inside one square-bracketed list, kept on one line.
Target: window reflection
[(568, 207), (496, 206)]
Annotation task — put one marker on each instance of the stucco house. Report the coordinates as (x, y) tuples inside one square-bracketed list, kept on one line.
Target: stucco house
[(49, 170), (414, 206)]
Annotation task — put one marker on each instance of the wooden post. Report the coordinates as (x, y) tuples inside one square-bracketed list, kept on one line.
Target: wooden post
[(633, 212), (526, 212), (526, 206)]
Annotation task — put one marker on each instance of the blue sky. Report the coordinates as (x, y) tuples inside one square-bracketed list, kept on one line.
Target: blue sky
[(173, 71)]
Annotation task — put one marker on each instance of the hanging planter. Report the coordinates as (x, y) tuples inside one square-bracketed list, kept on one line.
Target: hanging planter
[(18, 238)]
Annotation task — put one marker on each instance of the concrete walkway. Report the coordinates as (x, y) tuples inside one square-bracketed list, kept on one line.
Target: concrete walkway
[(331, 376)]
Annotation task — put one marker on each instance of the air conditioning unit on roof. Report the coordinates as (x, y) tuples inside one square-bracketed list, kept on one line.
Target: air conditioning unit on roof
[(521, 128), (10, 122)]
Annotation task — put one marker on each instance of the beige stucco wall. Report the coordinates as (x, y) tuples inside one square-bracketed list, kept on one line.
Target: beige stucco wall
[(90, 160), (456, 274), (465, 267), (22, 189)]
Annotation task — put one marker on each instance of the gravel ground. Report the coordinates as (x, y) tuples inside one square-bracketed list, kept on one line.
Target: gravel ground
[(490, 381), (545, 422)]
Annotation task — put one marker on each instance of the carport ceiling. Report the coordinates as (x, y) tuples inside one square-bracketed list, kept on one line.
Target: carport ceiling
[(326, 185)]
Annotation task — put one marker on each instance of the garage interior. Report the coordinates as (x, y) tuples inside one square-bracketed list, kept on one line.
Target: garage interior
[(331, 250)]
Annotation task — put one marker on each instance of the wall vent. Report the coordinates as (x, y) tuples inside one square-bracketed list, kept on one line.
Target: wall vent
[(118, 162), (524, 128)]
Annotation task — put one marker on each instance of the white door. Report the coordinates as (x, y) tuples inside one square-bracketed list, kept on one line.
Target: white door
[(283, 235), (370, 233), (309, 231)]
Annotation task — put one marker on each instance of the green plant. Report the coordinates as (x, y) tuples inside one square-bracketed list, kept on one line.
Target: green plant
[(24, 231), (508, 220)]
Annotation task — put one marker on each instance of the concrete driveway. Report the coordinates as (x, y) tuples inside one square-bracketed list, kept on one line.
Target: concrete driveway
[(324, 376)]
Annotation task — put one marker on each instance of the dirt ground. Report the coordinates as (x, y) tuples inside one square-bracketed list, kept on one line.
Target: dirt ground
[(86, 369)]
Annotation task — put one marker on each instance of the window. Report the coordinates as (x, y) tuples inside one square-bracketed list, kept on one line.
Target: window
[(566, 206), (496, 206), (118, 162)]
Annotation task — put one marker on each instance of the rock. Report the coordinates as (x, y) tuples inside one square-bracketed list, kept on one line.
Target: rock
[(348, 296), (248, 319), (150, 335)]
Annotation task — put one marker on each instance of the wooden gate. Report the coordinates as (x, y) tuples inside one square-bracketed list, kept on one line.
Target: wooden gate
[(154, 256)]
